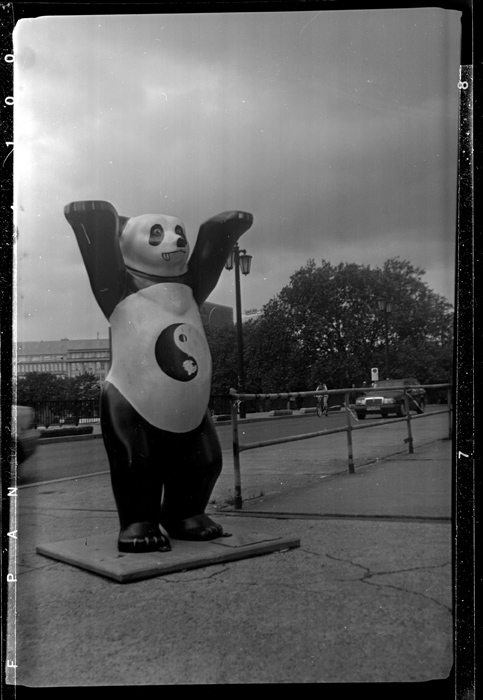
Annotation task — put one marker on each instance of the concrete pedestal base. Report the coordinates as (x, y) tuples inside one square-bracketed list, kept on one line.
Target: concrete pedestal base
[(99, 554)]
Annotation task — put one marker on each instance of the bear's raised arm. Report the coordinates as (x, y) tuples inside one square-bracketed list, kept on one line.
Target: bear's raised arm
[(96, 225), (216, 238)]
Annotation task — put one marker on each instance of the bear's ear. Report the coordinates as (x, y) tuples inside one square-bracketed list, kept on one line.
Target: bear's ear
[(122, 222)]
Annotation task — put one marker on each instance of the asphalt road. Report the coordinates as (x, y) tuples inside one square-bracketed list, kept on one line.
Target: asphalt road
[(70, 459), (76, 458)]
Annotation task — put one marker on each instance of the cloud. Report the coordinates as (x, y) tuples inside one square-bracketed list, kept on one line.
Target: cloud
[(336, 130)]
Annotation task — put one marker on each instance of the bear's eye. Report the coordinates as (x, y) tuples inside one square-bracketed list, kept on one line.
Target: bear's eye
[(156, 234), (179, 230)]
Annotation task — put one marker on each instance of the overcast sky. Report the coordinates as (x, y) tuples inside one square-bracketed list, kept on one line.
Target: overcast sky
[(337, 130)]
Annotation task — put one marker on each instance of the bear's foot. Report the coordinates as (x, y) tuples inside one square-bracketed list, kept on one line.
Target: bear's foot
[(199, 528), (143, 537)]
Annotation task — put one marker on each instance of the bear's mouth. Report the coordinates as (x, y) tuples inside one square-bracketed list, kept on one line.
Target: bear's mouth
[(167, 256)]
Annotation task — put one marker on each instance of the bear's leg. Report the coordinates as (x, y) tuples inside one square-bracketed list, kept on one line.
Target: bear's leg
[(136, 477), (188, 485)]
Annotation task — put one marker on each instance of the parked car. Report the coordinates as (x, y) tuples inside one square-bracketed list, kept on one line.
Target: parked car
[(386, 398), (26, 435)]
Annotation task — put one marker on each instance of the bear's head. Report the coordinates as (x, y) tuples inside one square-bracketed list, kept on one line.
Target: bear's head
[(155, 244)]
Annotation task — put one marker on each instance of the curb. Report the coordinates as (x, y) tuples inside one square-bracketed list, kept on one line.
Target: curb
[(93, 436), (68, 438)]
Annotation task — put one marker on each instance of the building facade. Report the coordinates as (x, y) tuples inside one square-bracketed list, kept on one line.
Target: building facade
[(70, 358), (251, 315), (64, 358)]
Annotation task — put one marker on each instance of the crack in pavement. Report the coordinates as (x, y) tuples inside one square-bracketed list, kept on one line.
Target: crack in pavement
[(59, 516), (165, 579), (308, 551), (28, 569), (370, 574), (169, 577)]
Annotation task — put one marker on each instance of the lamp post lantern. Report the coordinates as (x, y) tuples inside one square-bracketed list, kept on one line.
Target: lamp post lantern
[(240, 260), (386, 307)]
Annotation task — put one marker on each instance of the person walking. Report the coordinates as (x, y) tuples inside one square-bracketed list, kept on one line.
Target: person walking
[(322, 401)]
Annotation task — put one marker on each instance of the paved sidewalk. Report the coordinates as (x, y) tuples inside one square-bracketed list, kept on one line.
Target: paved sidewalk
[(414, 485), (366, 598)]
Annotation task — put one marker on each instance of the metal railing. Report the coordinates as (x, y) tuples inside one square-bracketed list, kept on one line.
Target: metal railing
[(65, 412), (348, 428)]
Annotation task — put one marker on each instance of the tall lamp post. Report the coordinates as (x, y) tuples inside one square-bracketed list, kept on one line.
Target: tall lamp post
[(385, 306), (239, 260)]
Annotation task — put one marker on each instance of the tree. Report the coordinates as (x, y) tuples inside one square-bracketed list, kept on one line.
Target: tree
[(84, 386), (35, 387), (223, 347), (325, 326), (40, 386), (270, 351)]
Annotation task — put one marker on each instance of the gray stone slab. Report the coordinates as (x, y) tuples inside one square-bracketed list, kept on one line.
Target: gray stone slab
[(99, 554)]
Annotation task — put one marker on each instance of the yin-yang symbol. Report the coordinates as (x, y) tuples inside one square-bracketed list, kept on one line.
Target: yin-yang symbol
[(175, 349)]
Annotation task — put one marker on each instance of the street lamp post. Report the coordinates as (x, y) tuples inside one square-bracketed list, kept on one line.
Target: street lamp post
[(240, 261), (385, 306)]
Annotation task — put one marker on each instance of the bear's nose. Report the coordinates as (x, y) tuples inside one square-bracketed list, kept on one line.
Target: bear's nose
[(181, 242)]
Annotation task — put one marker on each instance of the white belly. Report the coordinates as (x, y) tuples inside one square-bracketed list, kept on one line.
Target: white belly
[(160, 326)]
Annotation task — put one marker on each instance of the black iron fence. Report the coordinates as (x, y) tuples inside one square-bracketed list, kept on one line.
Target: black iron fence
[(72, 412), (49, 413)]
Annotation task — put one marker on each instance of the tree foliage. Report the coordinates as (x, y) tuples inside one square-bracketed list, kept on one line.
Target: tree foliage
[(325, 326), (35, 387), (223, 347)]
